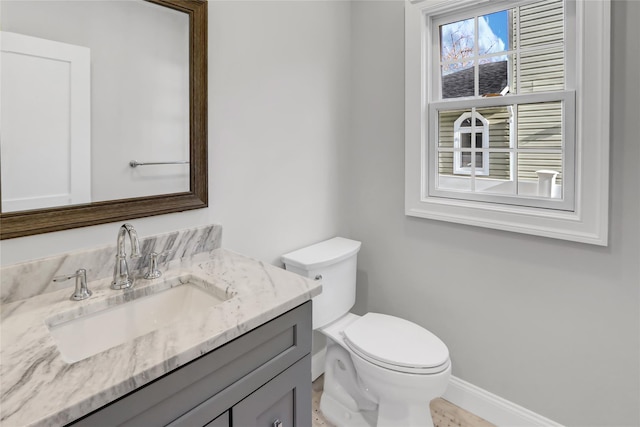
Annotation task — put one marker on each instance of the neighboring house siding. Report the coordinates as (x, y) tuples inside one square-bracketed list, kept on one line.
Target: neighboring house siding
[(540, 23), (542, 70), (538, 126), (498, 119)]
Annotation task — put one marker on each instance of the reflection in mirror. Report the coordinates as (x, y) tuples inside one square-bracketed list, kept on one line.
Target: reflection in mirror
[(106, 82), (89, 89)]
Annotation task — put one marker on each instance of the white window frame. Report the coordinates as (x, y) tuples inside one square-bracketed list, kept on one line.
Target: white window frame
[(586, 219), (458, 167)]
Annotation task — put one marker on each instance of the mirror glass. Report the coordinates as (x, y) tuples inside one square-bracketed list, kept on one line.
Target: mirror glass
[(103, 111), (87, 88)]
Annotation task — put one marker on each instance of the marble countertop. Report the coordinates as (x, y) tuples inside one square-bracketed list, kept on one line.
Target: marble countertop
[(39, 388)]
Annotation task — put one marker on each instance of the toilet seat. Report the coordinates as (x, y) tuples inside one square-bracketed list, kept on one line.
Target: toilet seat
[(397, 344)]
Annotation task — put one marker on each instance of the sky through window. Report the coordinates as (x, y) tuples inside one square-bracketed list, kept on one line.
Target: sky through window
[(458, 39)]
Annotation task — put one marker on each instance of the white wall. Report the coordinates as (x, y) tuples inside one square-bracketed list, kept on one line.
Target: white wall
[(278, 126), (551, 325)]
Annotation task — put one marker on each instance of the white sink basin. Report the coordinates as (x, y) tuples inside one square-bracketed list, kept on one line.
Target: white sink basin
[(87, 334)]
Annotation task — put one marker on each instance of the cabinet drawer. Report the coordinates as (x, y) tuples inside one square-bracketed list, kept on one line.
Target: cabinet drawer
[(285, 401), (237, 368)]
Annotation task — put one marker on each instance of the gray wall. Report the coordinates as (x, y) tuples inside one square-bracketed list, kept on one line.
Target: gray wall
[(551, 325)]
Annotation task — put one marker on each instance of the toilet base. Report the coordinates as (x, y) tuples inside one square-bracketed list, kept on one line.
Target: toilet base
[(341, 416), (358, 393)]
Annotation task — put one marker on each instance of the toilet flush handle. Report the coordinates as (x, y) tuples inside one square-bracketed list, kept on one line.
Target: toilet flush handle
[(318, 277)]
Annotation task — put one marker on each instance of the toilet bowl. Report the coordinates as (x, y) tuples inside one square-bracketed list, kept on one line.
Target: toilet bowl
[(380, 370)]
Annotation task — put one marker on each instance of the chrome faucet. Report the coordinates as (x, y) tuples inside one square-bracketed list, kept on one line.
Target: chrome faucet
[(121, 278)]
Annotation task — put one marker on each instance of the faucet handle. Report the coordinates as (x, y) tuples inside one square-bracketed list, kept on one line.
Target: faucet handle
[(82, 291), (153, 272)]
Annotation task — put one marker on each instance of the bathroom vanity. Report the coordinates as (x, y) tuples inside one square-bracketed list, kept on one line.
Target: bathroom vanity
[(261, 378), (242, 359)]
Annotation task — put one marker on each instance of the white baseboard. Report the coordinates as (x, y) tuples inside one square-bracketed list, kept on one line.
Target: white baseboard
[(480, 402), (317, 363), (492, 408)]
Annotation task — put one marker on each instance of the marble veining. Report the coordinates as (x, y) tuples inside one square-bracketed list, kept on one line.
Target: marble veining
[(28, 279), (39, 388)]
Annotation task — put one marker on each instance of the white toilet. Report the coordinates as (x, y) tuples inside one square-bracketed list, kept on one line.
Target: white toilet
[(380, 370)]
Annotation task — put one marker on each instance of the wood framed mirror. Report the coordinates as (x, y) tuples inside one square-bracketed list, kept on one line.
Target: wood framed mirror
[(36, 221)]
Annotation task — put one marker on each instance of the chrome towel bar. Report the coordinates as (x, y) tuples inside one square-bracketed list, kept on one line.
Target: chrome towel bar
[(135, 163)]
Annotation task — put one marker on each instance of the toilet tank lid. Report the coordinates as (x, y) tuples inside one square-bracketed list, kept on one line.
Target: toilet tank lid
[(322, 254)]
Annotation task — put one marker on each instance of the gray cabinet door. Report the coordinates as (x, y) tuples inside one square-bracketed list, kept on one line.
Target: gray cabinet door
[(285, 401)]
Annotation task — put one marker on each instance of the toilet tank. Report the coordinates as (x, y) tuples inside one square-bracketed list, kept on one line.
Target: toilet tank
[(333, 261)]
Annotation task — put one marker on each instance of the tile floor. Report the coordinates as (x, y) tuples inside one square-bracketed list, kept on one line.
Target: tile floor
[(444, 413)]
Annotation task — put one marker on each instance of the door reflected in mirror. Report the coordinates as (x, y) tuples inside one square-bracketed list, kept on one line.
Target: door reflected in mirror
[(104, 111), (87, 87)]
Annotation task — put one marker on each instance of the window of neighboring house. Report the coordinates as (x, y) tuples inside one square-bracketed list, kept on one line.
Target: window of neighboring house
[(465, 130), (504, 132)]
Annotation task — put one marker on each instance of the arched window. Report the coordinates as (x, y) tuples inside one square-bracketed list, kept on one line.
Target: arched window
[(470, 136)]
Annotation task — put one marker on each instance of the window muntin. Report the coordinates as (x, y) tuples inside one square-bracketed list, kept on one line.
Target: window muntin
[(523, 74)]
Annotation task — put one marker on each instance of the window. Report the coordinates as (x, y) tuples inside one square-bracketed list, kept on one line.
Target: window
[(471, 126), (508, 63), (500, 131)]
